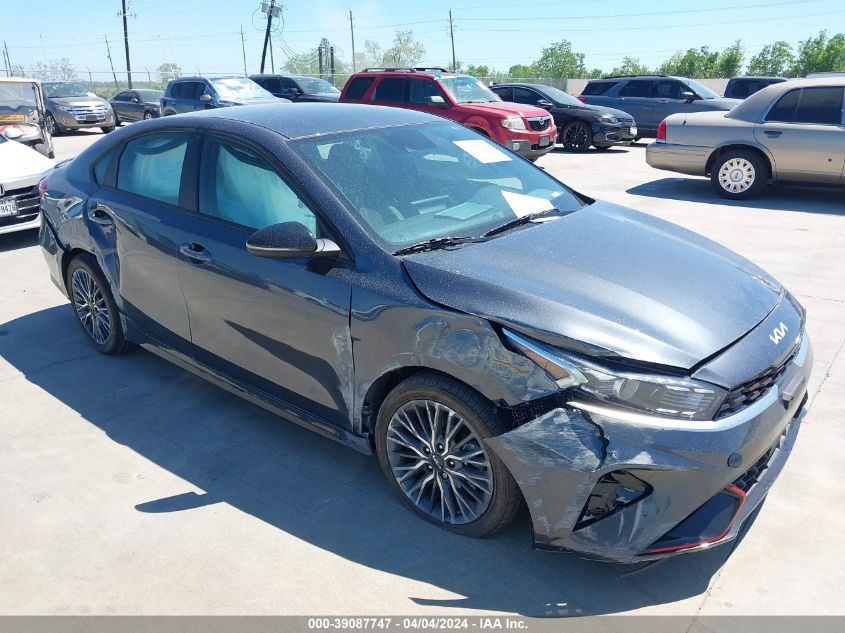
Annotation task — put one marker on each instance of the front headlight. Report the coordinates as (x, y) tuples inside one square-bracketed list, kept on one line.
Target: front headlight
[(513, 123), (61, 107), (665, 395), (607, 118)]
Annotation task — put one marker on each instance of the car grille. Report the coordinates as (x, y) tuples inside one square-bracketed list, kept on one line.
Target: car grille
[(750, 392), (97, 110), (539, 123), (28, 202)]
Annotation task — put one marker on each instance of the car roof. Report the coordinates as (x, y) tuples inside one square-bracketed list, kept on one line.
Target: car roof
[(207, 77), (300, 120), (753, 107), (430, 73)]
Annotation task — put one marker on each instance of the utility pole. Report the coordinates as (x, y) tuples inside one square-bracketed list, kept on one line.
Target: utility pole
[(126, 45), (90, 77), (352, 33), (7, 58), (331, 64), (271, 11), (452, 35), (272, 61), (108, 53), (243, 48)]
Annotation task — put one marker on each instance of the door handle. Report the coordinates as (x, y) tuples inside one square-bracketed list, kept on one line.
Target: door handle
[(100, 214), (773, 133), (195, 252)]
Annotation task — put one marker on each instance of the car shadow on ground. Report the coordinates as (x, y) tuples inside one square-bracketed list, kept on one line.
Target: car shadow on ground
[(613, 149), (806, 198), (318, 491), (18, 239)]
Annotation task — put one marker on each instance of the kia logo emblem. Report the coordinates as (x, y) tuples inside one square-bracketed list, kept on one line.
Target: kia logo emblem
[(778, 333)]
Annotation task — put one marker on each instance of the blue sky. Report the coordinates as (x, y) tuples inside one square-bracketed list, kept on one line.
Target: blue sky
[(206, 33)]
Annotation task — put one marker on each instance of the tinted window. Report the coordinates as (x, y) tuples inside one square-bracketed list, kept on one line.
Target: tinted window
[(505, 94), (598, 87), (358, 86), (288, 84), (784, 109), (528, 97), (637, 88), (422, 89), (151, 166), (670, 89), (739, 89), (188, 90), (239, 186), (820, 105), (121, 96), (391, 89), (270, 83)]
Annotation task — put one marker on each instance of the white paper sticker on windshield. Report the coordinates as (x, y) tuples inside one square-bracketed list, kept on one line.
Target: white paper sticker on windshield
[(522, 205), (483, 152)]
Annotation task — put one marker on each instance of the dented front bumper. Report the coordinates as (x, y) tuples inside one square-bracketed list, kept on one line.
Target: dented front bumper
[(558, 458)]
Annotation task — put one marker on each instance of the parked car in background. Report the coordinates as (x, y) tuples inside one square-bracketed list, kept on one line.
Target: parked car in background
[(791, 131), (136, 105), (742, 87), (22, 107), (72, 106), (527, 130), (651, 98), (189, 94), (21, 169), (298, 87), (407, 287), (579, 125)]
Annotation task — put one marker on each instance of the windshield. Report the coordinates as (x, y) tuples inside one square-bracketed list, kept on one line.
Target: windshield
[(66, 90), (15, 94), (701, 90), (315, 86), (150, 96), (467, 89), (239, 89), (406, 184), (560, 96)]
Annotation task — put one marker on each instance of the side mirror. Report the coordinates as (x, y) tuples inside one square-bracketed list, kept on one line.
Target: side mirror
[(135, 100), (437, 101), (289, 240), (296, 92), (206, 98), (545, 104), (688, 96)]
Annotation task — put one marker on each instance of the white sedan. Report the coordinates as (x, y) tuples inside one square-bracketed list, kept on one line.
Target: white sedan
[(21, 169)]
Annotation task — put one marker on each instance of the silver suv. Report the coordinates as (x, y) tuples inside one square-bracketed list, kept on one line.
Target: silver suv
[(72, 106)]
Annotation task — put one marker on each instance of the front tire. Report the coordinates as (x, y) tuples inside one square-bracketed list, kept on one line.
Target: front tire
[(739, 174), (107, 129), (429, 439), (51, 125), (576, 137), (148, 115), (93, 306)]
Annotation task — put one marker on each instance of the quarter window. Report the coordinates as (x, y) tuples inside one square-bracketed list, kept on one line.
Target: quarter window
[(151, 166), (239, 186), (391, 89)]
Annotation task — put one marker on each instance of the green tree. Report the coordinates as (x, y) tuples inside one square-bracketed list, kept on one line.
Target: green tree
[(479, 71), (522, 71), (695, 63), (819, 54), (630, 66), (168, 71), (729, 61), (406, 51), (559, 60), (773, 60)]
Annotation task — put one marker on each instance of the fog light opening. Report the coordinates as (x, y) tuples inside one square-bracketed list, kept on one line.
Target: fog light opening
[(612, 492)]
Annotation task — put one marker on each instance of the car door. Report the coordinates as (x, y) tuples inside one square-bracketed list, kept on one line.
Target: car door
[(668, 100), (279, 325), (288, 89), (134, 106), (140, 212), (420, 94), (636, 98), (118, 104), (805, 135)]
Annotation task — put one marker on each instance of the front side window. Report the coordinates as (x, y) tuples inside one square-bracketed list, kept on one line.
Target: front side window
[(411, 183), (151, 166), (121, 96), (820, 106), (637, 88), (669, 89), (421, 91), (271, 84), (239, 186), (391, 90)]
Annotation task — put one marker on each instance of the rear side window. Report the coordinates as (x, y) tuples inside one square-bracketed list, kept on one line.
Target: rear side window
[(391, 89), (151, 166), (528, 97), (820, 105), (358, 87), (637, 88), (505, 94), (598, 87)]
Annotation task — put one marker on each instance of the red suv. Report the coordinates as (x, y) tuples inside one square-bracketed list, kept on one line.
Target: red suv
[(525, 129)]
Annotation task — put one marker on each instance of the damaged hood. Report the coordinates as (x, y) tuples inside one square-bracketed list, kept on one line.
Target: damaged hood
[(606, 281)]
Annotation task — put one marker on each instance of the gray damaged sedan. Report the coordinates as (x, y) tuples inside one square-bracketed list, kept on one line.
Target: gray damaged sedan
[(407, 287), (792, 131)]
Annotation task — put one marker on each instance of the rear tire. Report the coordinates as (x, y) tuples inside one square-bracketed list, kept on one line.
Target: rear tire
[(739, 174), (429, 440), (93, 306)]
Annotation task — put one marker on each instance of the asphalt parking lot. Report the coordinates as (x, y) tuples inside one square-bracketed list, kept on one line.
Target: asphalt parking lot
[(131, 487)]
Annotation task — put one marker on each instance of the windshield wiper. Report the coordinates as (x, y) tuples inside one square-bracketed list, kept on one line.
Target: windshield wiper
[(526, 219), (435, 243)]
